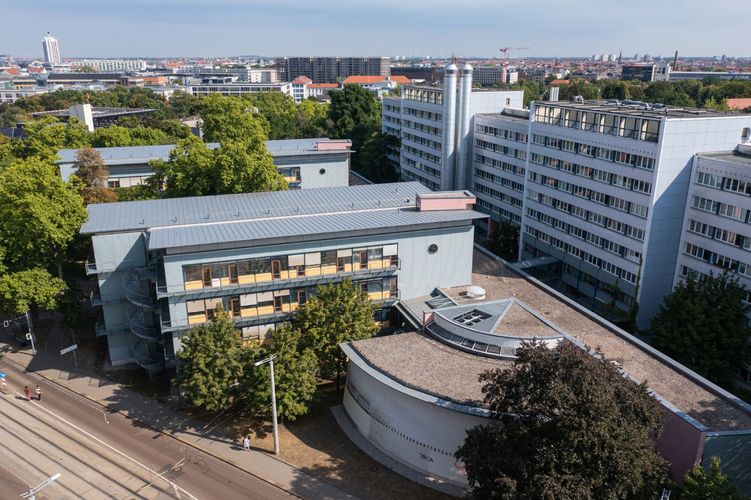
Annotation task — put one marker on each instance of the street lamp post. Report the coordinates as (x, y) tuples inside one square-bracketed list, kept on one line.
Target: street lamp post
[(270, 361)]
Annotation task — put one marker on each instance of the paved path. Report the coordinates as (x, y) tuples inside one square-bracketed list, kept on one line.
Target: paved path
[(206, 465)]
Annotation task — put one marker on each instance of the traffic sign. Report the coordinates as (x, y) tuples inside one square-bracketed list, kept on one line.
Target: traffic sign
[(68, 349), (28, 336)]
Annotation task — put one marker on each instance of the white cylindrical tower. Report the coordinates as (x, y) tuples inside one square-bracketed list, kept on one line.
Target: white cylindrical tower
[(448, 136), (463, 135)]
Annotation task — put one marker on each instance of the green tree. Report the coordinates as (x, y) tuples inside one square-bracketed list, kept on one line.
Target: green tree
[(44, 137), (313, 119), (355, 114), (339, 313), (374, 162), (231, 119), (702, 324), (211, 361), (564, 424), (39, 214), (92, 173), (195, 170), (277, 112), (698, 484), (579, 87), (294, 374), (25, 290), (504, 241)]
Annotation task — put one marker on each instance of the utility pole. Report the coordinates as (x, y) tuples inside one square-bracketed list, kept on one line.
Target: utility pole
[(30, 335), (270, 361)]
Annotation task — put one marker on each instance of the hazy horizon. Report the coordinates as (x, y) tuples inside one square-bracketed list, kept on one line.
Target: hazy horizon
[(440, 28)]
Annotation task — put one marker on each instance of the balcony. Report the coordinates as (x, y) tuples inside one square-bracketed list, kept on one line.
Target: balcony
[(286, 279), (140, 329), (95, 297), (90, 266), (132, 287)]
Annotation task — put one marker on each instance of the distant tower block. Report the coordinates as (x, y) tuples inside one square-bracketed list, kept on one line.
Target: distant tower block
[(51, 49)]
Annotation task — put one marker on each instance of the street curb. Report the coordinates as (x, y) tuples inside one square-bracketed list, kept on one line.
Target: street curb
[(192, 445)]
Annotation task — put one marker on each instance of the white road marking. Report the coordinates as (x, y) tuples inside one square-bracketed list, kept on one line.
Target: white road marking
[(177, 489)]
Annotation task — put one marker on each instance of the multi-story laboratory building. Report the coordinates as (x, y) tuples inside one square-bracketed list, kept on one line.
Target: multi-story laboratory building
[(164, 266)]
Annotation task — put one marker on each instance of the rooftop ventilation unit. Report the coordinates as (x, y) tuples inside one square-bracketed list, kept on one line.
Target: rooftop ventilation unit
[(475, 292)]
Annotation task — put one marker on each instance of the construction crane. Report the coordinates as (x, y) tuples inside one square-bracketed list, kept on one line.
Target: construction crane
[(505, 51)]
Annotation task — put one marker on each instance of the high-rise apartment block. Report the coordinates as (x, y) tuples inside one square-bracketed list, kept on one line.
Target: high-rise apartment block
[(51, 49), (330, 69), (435, 126), (600, 190)]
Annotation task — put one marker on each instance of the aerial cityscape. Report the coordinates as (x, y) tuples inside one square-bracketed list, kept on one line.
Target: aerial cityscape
[(375, 251)]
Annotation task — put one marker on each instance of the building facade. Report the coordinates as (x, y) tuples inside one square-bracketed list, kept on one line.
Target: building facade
[(330, 69), (164, 266), (304, 163), (110, 65), (434, 126), (51, 49), (716, 235), (603, 191), (238, 88), (488, 75)]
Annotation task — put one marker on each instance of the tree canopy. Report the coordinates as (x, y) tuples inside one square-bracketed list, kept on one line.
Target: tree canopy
[(698, 484), (565, 424), (338, 313), (92, 173), (231, 119), (702, 324), (194, 169), (211, 361), (22, 290), (504, 241), (39, 214)]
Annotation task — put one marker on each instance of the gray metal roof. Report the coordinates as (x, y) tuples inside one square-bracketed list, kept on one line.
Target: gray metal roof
[(284, 147), (301, 226), (148, 214)]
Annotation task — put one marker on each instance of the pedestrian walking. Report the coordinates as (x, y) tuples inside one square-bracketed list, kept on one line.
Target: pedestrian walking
[(246, 443), (38, 391), (27, 391)]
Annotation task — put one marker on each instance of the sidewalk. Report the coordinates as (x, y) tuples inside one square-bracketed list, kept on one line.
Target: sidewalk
[(158, 416)]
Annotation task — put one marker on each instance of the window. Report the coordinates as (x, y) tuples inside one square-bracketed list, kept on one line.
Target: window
[(432, 249)]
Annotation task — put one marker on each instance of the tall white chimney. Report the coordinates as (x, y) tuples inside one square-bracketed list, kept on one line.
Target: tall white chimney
[(464, 120), (449, 127)]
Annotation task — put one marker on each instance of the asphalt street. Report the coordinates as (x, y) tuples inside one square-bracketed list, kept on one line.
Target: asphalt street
[(100, 454)]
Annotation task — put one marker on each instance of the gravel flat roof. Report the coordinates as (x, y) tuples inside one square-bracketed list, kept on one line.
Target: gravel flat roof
[(428, 365)]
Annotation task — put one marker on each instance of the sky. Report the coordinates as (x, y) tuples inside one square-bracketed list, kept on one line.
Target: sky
[(466, 28)]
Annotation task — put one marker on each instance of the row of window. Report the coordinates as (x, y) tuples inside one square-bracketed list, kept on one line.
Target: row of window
[(621, 157), (254, 305), (421, 127), (493, 208), (578, 232), (590, 194), (602, 288), (426, 115), (502, 165), (719, 234), (581, 254), (502, 133), (721, 209), (593, 217), (494, 193), (422, 154), (498, 148), (286, 267), (723, 183), (717, 259), (603, 176), (422, 140), (423, 95), (420, 166), (632, 127), (497, 179), (424, 181)]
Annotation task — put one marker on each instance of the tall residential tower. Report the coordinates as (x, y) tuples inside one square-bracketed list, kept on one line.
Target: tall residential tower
[(51, 49)]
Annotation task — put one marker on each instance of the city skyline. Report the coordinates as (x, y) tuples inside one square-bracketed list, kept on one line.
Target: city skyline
[(334, 28)]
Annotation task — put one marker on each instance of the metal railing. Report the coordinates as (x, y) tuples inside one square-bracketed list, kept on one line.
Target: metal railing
[(163, 290), (139, 328), (132, 287), (90, 266), (146, 357)]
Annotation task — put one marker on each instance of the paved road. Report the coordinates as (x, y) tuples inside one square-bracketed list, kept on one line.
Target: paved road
[(100, 454)]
